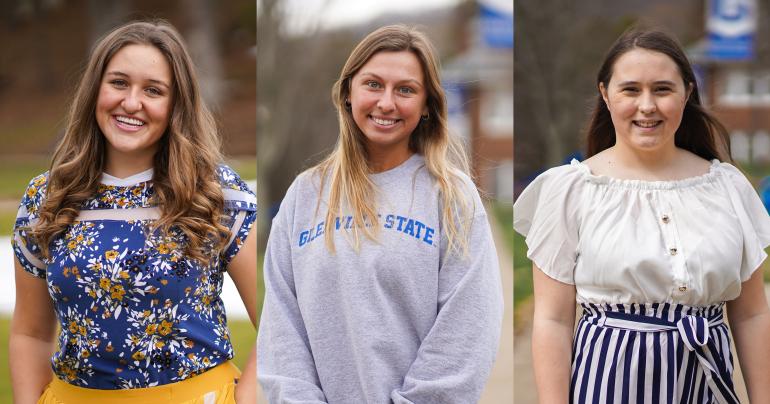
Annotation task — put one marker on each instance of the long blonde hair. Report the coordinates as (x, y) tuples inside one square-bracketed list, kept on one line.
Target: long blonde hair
[(186, 186), (347, 165)]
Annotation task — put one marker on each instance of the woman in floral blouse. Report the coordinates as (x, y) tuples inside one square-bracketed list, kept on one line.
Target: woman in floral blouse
[(126, 239)]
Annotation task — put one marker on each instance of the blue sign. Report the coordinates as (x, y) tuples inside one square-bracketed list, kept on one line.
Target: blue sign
[(731, 25), (496, 26)]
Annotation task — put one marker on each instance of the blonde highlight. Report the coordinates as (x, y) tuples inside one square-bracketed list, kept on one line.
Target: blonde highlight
[(347, 170)]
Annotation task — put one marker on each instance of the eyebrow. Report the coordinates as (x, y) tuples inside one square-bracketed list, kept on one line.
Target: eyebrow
[(415, 82), (659, 82), (121, 74)]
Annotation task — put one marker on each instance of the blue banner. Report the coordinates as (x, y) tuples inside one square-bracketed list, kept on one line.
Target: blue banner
[(731, 26), (496, 25)]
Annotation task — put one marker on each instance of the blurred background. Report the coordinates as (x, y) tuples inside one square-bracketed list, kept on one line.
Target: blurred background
[(301, 48), (44, 44), (560, 45)]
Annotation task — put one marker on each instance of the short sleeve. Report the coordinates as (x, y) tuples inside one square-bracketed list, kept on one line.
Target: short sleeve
[(752, 218), (240, 208), (25, 248), (546, 213)]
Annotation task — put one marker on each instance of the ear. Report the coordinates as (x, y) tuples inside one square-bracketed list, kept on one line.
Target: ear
[(690, 88), (424, 110), (603, 92)]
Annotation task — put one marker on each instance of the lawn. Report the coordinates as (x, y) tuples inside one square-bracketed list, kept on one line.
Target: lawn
[(241, 332)]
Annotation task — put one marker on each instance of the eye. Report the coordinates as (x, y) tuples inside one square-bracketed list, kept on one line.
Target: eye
[(406, 90), (372, 84), (120, 83), (663, 89), (631, 90), (154, 91)]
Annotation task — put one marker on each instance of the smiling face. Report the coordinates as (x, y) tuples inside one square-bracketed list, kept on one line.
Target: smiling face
[(646, 97), (387, 100), (134, 103)]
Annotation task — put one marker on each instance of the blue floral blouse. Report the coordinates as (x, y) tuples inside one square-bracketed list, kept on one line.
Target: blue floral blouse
[(134, 311)]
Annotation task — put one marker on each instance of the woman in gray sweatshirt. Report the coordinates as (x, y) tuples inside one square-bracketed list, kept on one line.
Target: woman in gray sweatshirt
[(382, 280)]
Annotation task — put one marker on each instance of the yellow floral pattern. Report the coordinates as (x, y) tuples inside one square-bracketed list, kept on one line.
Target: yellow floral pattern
[(134, 311)]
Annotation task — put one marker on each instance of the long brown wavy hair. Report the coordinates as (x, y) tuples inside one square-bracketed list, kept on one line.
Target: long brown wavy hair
[(699, 132), (186, 186), (347, 165)]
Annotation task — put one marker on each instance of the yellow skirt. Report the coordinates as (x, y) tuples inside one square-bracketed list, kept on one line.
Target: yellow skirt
[(215, 386)]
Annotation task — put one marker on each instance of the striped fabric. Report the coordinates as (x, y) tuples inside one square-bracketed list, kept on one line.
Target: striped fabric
[(652, 353)]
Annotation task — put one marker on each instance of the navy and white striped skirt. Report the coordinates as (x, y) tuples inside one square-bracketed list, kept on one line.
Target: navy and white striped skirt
[(652, 353)]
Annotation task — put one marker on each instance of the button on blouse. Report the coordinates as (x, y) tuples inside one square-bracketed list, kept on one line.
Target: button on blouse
[(691, 241)]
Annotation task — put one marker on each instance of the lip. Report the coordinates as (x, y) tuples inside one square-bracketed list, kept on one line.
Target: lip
[(126, 127), (658, 124), (381, 126)]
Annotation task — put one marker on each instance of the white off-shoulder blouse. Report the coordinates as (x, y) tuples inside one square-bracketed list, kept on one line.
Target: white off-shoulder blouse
[(691, 241)]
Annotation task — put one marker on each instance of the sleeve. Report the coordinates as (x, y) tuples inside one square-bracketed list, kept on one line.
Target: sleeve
[(241, 211), (285, 366), (752, 218), (25, 247), (546, 213), (456, 356)]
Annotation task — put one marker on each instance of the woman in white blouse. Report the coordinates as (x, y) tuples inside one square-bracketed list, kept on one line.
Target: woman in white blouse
[(651, 235)]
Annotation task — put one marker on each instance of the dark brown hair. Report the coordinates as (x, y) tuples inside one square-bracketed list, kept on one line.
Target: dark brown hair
[(699, 132)]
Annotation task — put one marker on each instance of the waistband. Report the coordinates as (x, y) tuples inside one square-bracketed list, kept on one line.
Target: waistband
[(692, 324), (188, 389)]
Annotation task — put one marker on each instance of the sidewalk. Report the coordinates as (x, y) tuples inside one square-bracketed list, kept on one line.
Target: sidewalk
[(499, 388)]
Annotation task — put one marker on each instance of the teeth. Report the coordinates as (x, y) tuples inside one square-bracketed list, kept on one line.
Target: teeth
[(384, 121), (648, 124), (130, 121)]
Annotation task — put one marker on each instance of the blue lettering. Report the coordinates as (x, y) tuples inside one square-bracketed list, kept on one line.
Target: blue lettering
[(428, 235), (303, 238), (337, 222), (420, 226), (349, 223), (409, 228), (389, 221), (400, 222), (319, 230)]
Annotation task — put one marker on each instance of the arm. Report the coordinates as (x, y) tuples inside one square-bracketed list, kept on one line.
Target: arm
[(749, 318), (552, 332), (32, 337), (285, 369), (243, 271), (456, 356)]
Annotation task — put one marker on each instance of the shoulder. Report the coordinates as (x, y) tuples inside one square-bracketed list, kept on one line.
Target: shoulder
[(34, 194), (560, 178), (237, 193)]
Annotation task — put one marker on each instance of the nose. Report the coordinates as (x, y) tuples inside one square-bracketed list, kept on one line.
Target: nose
[(385, 103), (131, 102), (647, 103)]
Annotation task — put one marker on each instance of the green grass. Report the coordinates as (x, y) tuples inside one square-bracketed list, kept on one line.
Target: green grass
[(242, 335), (16, 173), (246, 167), (5, 372), (504, 214)]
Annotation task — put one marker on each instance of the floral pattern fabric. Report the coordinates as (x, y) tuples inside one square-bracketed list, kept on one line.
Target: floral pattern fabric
[(134, 311)]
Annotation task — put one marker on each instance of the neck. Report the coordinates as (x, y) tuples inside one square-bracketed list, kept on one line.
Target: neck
[(121, 165), (650, 160), (384, 160)]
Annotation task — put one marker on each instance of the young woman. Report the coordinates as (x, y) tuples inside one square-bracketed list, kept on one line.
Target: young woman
[(381, 275), (651, 235), (126, 239)]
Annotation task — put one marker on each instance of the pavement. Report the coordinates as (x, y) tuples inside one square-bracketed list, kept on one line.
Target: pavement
[(499, 389)]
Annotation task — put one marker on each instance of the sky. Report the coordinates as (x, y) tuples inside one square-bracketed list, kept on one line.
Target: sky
[(308, 15)]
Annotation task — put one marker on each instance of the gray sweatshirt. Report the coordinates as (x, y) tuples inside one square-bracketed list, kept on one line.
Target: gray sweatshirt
[(401, 321)]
